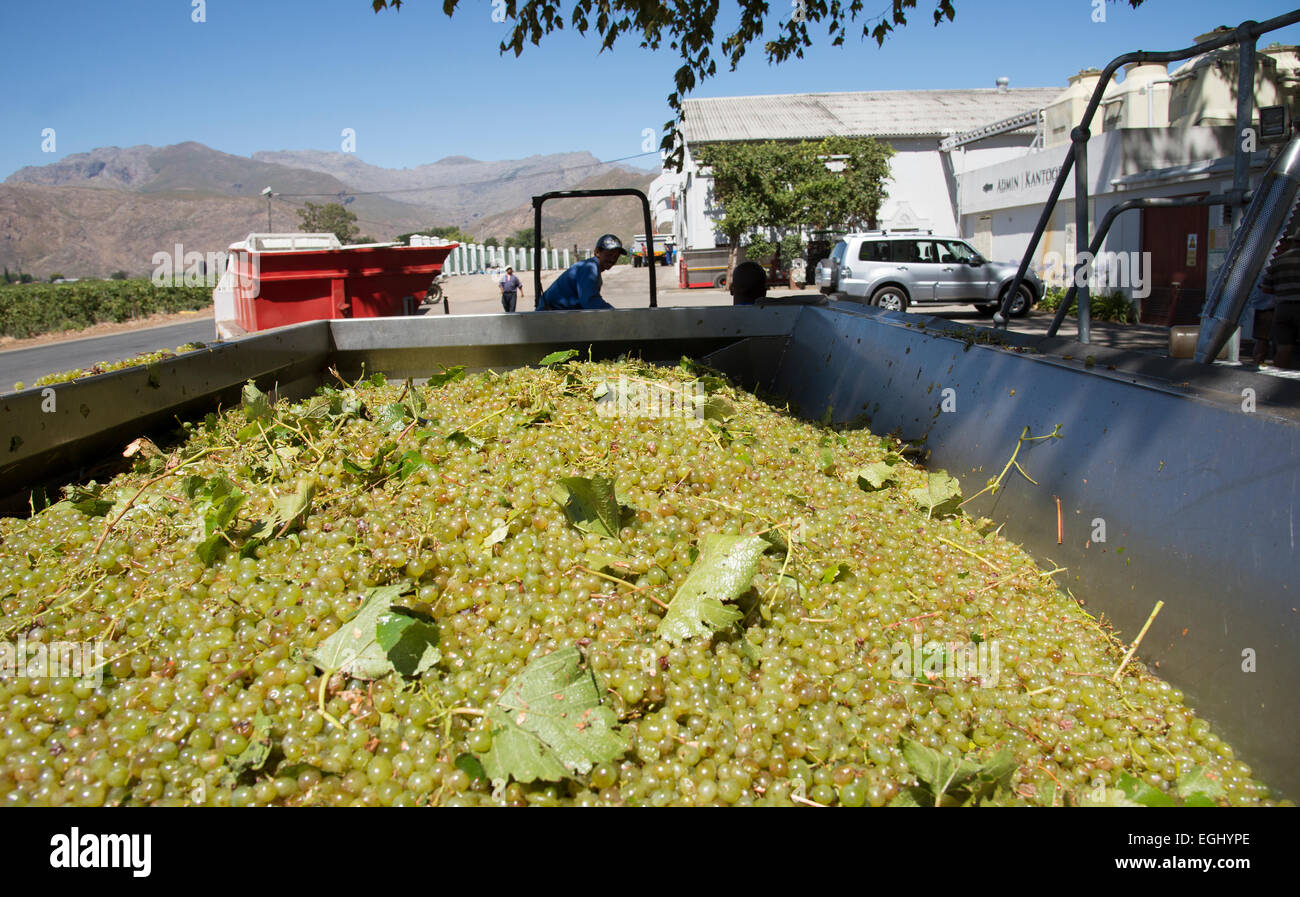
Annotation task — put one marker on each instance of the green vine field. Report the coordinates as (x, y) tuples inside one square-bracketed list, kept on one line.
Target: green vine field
[(32, 309)]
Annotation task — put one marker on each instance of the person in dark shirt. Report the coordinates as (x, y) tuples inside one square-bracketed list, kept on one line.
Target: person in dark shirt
[(579, 286), (1283, 283), (748, 283), (511, 288)]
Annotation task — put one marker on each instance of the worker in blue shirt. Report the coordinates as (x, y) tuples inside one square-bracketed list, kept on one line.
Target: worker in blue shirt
[(579, 287)]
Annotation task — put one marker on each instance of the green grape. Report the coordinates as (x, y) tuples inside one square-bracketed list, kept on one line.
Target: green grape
[(801, 700)]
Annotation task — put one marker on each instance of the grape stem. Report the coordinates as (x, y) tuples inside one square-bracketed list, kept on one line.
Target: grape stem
[(1137, 641), (271, 449), (320, 696), (140, 491), (978, 557), (622, 582), (996, 483), (914, 619)]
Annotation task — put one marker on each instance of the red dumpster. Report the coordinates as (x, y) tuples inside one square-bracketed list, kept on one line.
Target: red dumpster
[(277, 279)]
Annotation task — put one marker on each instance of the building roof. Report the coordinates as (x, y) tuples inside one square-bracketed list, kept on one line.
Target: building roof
[(881, 113)]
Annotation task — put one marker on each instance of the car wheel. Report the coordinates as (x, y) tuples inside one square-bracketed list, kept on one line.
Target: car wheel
[(890, 299), (720, 282), (1020, 305)]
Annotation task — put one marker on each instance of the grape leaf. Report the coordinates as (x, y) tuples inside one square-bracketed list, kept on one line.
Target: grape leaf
[(718, 408), (1196, 783), (460, 437), (410, 462), (89, 499), (1137, 790), (723, 572), (943, 775), (875, 476), (940, 495), (551, 722), (254, 756), (216, 500), (415, 403), (448, 375), (836, 572), (497, 535), (372, 466), (391, 418), (256, 406), (590, 504), (558, 357), (354, 648), (470, 765), (826, 461), (937, 771), (285, 510), (409, 641), (776, 539), (909, 797)]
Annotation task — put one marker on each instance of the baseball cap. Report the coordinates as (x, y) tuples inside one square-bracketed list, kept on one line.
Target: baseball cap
[(609, 241)]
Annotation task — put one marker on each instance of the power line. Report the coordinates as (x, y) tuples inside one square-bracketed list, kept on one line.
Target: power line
[(469, 183)]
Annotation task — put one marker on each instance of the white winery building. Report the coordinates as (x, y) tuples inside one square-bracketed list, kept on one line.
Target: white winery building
[(922, 192)]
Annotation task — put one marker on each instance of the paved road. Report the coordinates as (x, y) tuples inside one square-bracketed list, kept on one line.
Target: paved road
[(625, 287), (26, 365)]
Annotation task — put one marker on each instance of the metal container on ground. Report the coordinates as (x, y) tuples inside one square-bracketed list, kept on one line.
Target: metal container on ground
[(1156, 501), (276, 279)]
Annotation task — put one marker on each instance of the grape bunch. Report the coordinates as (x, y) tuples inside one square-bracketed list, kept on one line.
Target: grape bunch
[(468, 531)]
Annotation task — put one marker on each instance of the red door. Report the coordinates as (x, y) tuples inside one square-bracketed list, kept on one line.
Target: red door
[(1176, 239)]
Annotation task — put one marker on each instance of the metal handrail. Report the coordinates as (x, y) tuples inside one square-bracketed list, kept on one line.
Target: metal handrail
[(1103, 228), (1076, 158), (571, 194)]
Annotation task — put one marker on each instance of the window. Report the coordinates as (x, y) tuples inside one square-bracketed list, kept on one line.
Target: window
[(907, 251), (960, 251), (873, 251), (837, 254)]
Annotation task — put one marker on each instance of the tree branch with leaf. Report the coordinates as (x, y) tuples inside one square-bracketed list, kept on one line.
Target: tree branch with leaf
[(690, 28)]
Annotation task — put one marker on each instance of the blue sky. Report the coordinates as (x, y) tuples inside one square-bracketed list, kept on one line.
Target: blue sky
[(417, 86)]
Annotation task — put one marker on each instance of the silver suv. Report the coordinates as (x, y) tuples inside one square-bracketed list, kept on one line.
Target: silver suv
[(895, 270)]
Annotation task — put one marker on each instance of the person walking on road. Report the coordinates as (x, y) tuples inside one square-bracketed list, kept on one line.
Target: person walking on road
[(579, 286), (511, 289)]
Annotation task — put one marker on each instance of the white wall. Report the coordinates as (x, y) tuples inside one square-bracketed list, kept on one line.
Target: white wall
[(921, 192)]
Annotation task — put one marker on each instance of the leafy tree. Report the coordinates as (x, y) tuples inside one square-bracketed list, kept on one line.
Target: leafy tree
[(491, 241), (116, 275), (690, 28), (785, 188), (523, 237), (330, 218), (56, 276)]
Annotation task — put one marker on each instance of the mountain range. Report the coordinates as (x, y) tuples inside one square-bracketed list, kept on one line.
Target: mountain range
[(111, 209)]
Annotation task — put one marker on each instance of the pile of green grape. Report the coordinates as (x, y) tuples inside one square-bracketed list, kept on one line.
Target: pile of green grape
[(211, 691), (104, 367)]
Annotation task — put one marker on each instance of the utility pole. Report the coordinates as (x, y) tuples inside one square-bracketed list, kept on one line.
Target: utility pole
[(268, 194)]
